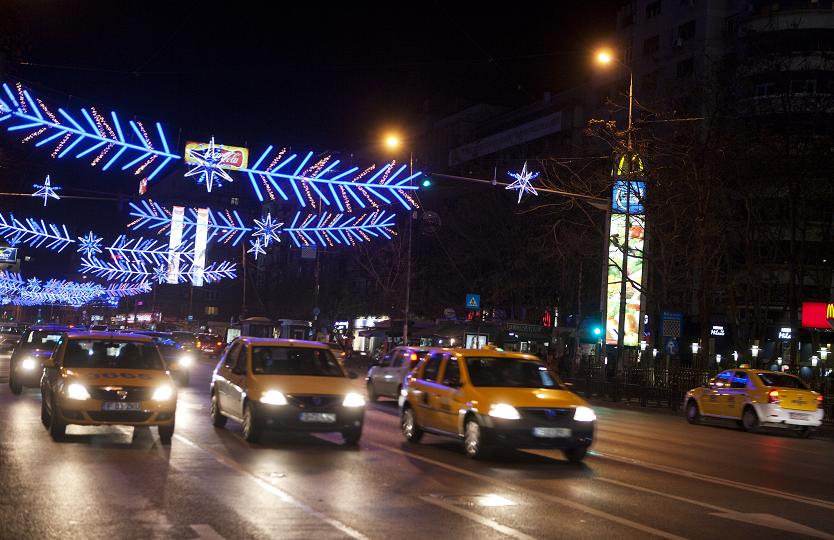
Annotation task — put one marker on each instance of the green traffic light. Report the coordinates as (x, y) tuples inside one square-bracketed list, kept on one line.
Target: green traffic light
[(426, 183), (597, 331)]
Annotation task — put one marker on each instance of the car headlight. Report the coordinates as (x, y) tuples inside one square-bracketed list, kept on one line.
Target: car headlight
[(163, 393), (28, 364), (584, 414), (273, 397), (186, 360), (353, 400), (502, 410), (77, 391)]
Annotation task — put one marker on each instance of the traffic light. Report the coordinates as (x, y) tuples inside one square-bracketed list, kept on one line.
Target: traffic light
[(597, 331), (426, 183)]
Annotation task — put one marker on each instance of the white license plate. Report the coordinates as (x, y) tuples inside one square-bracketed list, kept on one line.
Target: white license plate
[(324, 418), (120, 406), (551, 432), (798, 416)]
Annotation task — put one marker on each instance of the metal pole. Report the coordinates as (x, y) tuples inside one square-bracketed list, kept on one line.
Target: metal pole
[(408, 262)]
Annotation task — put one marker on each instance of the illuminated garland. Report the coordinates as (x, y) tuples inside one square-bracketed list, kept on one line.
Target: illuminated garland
[(32, 292), (329, 229), (222, 228), (34, 233)]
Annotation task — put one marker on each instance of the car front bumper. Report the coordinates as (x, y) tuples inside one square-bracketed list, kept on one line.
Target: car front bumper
[(522, 433), (28, 377), (774, 414), (288, 418), (90, 412)]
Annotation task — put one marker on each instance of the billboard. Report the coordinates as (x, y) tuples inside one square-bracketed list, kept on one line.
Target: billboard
[(627, 197), (634, 266), (8, 255), (817, 315), (233, 157)]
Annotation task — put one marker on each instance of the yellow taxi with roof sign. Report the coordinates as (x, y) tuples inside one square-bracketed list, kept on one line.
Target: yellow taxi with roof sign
[(488, 399), (96, 378), (756, 398)]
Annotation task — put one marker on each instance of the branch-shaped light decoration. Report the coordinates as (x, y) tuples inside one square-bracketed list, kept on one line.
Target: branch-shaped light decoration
[(142, 250), (223, 226), (329, 229), (32, 292), (92, 136), (34, 233), (139, 270)]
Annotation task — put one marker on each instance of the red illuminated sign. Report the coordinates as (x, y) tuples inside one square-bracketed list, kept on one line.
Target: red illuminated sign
[(817, 315)]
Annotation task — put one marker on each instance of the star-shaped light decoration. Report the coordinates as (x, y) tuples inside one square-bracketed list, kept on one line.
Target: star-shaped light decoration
[(89, 245), (208, 167), (33, 284), (46, 191), (267, 230), (160, 273), (257, 248), (522, 182)]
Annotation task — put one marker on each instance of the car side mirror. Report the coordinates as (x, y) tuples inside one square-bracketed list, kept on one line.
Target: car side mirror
[(352, 375)]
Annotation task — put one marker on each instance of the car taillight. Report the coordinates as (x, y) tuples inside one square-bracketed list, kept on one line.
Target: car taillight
[(219, 343), (199, 344), (773, 396), (819, 401)]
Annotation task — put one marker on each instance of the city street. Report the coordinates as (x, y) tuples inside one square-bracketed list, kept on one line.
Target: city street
[(650, 475)]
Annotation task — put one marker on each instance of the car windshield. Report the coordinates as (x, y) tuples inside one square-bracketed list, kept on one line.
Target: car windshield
[(43, 339), (782, 381), (295, 361), (99, 353), (509, 373)]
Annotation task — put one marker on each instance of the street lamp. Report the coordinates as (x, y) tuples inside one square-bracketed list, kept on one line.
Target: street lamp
[(754, 351), (717, 359), (605, 57), (695, 348)]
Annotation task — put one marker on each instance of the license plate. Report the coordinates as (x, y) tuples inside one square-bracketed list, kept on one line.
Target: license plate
[(325, 418), (120, 406), (551, 432), (798, 416)]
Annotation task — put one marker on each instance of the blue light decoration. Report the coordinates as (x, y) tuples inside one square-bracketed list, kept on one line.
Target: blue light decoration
[(46, 191), (267, 230), (522, 182), (141, 250), (34, 233), (89, 245), (257, 248), (224, 226), (329, 228), (27, 114), (137, 270), (33, 292), (208, 169)]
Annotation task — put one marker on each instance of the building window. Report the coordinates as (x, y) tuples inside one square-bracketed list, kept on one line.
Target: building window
[(651, 45), (653, 9), (235, 201), (685, 68), (687, 31), (764, 90), (212, 310), (804, 87)]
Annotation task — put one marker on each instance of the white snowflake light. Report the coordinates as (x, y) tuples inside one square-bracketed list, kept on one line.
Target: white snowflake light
[(46, 191), (89, 245), (209, 169), (257, 248), (160, 274), (267, 230), (522, 182)]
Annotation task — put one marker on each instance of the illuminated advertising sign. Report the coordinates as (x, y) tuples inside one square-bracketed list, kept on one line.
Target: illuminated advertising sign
[(233, 157), (615, 277), (177, 216), (200, 241), (627, 197), (817, 315), (8, 255), (717, 330), (785, 333)]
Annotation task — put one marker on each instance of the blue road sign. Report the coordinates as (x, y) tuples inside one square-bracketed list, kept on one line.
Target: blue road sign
[(473, 301)]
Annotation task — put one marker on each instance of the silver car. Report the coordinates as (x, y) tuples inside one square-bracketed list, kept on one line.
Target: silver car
[(385, 378)]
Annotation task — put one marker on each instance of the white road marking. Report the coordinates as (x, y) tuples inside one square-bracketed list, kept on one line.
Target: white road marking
[(764, 520), (535, 493), (206, 532), (491, 523), (716, 480), (279, 493), (188, 405)]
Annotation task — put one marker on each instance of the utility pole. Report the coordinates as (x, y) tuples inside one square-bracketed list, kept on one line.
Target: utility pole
[(408, 262)]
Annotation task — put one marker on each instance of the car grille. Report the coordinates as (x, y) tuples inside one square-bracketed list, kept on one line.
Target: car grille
[(119, 416), (111, 393), (315, 402), (547, 415)]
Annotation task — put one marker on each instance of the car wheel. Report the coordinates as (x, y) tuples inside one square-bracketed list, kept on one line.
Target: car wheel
[(165, 433), (804, 432), (352, 436), (57, 427), (44, 412), (15, 386), (372, 395), (750, 420), (408, 425), (693, 415), (473, 440), (576, 455), (217, 418), (251, 425)]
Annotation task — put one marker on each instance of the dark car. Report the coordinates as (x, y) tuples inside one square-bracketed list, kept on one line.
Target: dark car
[(178, 361), (10, 333), (35, 346), (210, 344)]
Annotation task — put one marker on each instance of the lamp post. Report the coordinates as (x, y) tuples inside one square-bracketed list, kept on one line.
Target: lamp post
[(754, 351), (606, 58), (393, 142)]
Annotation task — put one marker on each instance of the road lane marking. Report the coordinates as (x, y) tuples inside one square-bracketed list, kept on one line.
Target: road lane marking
[(716, 480), (279, 493), (491, 523), (206, 532), (534, 493)]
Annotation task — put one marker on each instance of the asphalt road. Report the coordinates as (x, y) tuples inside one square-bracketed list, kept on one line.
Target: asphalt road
[(650, 475)]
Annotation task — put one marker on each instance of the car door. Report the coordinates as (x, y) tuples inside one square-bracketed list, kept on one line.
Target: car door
[(238, 382), (736, 396), (711, 399), (390, 373), (427, 391), (378, 373), (450, 398), (222, 385)]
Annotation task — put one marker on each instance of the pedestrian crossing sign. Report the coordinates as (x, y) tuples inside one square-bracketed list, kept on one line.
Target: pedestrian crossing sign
[(473, 301)]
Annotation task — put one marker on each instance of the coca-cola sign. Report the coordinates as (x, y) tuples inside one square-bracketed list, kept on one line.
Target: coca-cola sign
[(233, 157)]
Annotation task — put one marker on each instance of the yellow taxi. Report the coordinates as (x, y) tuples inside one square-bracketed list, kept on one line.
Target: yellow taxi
[(756, 398), (97, 378), (285, 385), (488, 399)]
